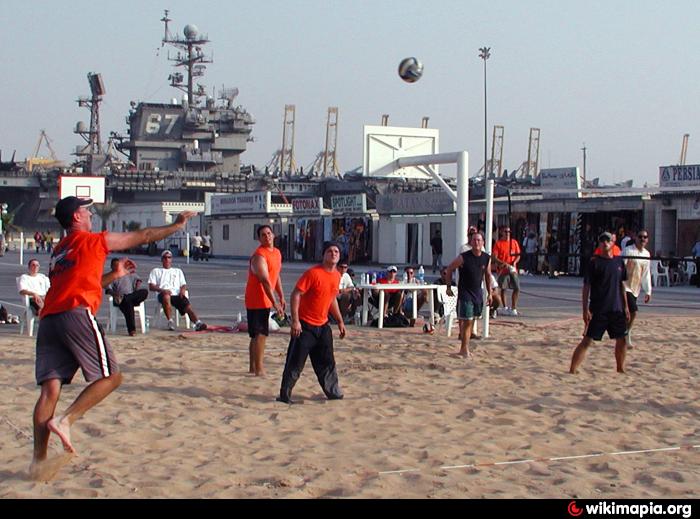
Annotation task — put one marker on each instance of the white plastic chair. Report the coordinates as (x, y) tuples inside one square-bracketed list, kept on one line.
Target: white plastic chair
[(160, 313), (690, 269), (29, 318), (114, 312), (449, 304), (662, 273)]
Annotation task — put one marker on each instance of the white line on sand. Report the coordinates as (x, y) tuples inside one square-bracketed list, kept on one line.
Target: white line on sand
[(559, 458)]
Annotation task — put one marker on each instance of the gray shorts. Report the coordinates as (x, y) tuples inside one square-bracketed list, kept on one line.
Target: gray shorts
[(509, 280), (72, 340)]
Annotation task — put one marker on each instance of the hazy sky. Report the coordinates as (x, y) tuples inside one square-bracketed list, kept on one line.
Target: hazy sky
[(619, 75)]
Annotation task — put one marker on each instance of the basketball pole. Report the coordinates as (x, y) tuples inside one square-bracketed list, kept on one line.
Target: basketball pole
[(488, 238), (21, 248)]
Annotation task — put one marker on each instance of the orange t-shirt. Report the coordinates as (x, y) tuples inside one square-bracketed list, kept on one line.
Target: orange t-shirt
[(506, 253), (77, 264), (255, 296), (599, 251), (319, 289)]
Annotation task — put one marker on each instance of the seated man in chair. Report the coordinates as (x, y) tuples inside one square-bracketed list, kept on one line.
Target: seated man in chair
[(127, 295), (35, 285), (392, 298), (348, 297), (410, 276), (171, 286)]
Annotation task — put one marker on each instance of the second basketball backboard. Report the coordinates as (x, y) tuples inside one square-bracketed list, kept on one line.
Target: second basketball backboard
[(383, 145)]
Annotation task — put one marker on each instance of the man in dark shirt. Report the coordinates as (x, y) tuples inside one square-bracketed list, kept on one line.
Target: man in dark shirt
[(127, 294), (607, 310), (436, 246), (474, 267)]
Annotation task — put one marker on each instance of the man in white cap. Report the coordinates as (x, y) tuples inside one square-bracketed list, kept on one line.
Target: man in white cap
[(171, 286), (392, 298)]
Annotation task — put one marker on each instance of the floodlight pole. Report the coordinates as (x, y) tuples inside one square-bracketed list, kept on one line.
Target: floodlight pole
[(485, 53)]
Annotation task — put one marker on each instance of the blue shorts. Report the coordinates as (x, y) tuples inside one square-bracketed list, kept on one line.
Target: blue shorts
[(469, 310)]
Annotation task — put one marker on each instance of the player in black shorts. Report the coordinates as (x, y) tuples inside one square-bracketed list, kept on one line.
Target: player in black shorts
[(607, 310)]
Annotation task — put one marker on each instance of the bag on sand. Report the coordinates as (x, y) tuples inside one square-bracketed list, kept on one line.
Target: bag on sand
[(393, 321)]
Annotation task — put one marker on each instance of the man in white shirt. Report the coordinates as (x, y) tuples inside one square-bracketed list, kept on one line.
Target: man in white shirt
[(638, 276), (171, 286), (35, 285), (349, 296), (206, 246), (196, 246)]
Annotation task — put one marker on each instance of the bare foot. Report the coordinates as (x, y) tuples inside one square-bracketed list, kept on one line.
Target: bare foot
[(60, 426), (621, 370), (260, 373), (46, 470), (463, 354)]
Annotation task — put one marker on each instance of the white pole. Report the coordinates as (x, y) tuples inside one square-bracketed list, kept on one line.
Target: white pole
[(187, 244), (21, 248), (487, 239), (462, 201)]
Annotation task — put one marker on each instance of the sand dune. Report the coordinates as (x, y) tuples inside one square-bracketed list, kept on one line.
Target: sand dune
[(190, 422)]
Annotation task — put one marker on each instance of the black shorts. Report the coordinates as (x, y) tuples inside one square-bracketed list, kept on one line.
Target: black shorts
[(631, 302), (178, 302), (258, 322), (612, 322)]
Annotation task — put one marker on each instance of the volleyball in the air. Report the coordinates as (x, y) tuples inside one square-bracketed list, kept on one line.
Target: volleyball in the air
[(410, 70)]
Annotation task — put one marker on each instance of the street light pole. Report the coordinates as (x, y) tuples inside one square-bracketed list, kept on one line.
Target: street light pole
[(485, 53)]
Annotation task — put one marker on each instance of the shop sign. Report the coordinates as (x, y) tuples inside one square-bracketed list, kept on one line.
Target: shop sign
[(679, 176), (307, 206), (349, 204), (241, 203)]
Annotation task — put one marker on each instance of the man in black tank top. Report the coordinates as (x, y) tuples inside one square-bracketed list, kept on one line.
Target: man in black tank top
[(474, 268), (604, 304)]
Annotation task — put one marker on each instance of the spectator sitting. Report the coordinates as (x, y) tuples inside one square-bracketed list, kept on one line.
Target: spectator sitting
[(422, 296), (349, 296), (392, 298), (171, 286), (35, 285), (127, 295)]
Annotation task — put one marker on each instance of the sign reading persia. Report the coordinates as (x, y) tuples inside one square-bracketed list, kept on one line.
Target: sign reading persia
[(679, 176)]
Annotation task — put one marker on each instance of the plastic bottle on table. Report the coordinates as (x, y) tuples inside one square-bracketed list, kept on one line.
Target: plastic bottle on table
[(374, 278), (421, 275)]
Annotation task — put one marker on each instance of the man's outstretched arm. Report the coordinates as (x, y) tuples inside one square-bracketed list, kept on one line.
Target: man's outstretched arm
[(127, 240)]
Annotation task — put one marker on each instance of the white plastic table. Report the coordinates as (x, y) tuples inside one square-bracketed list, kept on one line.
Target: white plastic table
[(366, 288)]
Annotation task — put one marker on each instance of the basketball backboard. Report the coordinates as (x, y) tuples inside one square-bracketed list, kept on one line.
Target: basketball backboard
[(82, 187), (384, 144)]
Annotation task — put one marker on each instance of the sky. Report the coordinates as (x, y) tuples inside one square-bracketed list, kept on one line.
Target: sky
[(620, 76)]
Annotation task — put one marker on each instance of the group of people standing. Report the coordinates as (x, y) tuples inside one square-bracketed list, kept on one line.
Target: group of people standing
[(43, 242), (69, 336)]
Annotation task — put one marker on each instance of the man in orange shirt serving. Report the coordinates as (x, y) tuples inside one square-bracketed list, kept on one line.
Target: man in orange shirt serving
[(311, 335), (69, 336), (263, 278)]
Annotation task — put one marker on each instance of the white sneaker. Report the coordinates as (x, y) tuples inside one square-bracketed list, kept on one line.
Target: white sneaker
[(514, 312), (199, 326), (171, 325)]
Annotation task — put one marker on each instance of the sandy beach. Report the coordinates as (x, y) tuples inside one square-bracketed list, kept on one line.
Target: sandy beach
[(189, 421)]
